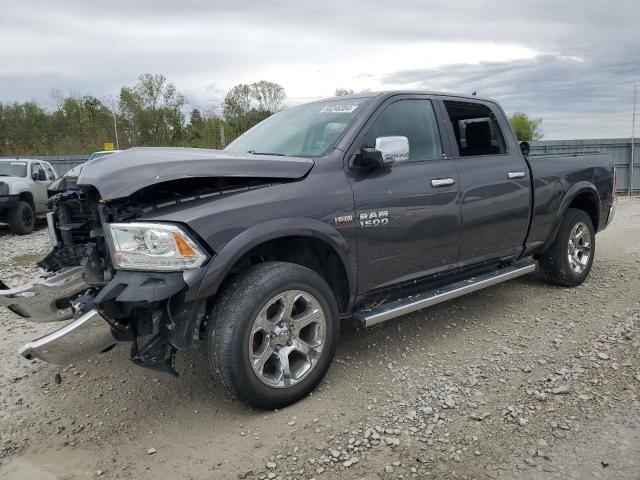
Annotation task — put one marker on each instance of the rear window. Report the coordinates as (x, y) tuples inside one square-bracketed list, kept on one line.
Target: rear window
[(476, 129)]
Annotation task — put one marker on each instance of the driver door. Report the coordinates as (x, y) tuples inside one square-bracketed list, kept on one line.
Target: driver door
[(40, 185), (408, 213)]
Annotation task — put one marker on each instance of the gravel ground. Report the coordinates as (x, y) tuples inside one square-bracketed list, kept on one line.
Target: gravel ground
[(522, 380)]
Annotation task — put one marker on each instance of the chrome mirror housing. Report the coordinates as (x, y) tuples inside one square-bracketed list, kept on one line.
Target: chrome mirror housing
[(393, 149)]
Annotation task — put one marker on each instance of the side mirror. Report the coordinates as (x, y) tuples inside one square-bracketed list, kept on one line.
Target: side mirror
[(393, 149), (34, 176), (369, 158), (525, 148)]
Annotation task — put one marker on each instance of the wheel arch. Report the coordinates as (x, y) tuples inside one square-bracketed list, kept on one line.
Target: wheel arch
[(583, 196), (27, 196), (287, 240)]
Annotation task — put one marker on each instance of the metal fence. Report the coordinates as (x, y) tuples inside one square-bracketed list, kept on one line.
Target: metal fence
[(618, 148)]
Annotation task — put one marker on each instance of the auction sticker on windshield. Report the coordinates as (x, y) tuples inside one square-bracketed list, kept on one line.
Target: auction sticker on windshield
[(339, 109)]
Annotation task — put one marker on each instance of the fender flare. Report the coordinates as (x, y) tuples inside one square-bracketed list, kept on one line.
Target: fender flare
[(18, 188), (226, 258), (577, 189)]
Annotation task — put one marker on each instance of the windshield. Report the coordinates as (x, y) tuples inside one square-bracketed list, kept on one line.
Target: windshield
[(13, 169), (305, 131)]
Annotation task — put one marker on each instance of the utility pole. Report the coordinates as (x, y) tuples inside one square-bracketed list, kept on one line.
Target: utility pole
[(633, 137), (115, 121), (115, 125)]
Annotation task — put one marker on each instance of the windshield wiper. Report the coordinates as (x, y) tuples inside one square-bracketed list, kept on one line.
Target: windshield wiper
[(275, 154)]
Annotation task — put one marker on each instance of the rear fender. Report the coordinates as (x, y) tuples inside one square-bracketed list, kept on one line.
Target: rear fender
[(574, 191)]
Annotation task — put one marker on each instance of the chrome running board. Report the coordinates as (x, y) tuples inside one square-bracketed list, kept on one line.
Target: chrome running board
[(403, 306)]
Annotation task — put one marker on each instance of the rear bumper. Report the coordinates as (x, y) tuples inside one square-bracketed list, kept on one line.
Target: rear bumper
[(80, 339), (612, 214)]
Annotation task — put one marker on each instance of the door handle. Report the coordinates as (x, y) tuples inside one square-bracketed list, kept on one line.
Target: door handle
[(442, 182), (513, 175)]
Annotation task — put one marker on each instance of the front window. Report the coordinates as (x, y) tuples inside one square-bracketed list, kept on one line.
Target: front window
[(13, 169), (413, 119), (306, 131)]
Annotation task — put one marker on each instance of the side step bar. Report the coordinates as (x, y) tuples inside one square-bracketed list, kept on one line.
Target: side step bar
[(403, 306)]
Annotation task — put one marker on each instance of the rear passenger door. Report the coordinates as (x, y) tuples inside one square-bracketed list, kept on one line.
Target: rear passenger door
[(495, 186)]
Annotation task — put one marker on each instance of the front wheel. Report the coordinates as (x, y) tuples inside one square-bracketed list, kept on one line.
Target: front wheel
[(568, 260), (273, 334), (22, 218)]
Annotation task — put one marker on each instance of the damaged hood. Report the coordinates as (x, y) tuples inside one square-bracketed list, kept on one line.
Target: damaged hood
[(122, 174)]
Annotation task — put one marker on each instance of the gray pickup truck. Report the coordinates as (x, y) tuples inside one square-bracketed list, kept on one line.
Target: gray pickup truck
[(361, 208), (23, 192)]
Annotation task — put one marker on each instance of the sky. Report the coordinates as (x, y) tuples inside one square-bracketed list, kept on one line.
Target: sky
[(571, 62)]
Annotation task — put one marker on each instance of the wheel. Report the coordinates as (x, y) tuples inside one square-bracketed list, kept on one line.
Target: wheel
[(22, 218), (568, 260), (273, 334)]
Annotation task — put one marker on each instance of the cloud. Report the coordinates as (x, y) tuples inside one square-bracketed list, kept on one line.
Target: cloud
[(574, 96), (571, 62)]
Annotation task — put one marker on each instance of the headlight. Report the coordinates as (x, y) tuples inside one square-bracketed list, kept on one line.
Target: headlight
[(4, 189), (153, 246)]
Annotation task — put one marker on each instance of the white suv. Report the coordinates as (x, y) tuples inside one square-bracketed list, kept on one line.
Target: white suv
[(23, 192)]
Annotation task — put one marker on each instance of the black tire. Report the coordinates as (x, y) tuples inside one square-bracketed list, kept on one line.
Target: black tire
[(555, 264), (22, 218), (230, 329)]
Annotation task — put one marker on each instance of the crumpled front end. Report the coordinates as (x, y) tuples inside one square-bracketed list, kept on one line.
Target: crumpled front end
[(97, 305)]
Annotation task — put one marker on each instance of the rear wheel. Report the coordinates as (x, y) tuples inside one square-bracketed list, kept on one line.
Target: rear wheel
[(273, 334), (569, 259), (22, 218)]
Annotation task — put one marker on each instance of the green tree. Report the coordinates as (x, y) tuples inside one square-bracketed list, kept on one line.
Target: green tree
[(152, 112), (148, 113), (80, 124), (525, 128), (206, 129), (237, 102), (24, 129), (246, 105)]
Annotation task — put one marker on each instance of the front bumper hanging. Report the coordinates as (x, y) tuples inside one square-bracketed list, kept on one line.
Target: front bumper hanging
[(45, 300), (80, 339), (48, 300)]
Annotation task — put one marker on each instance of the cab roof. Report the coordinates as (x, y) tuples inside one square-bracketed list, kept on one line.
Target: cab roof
[(389, 93)]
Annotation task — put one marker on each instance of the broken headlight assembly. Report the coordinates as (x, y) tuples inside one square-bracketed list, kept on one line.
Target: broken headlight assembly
[(153, 247)]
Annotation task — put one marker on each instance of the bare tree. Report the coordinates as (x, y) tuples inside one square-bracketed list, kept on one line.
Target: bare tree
[(269, 95)]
